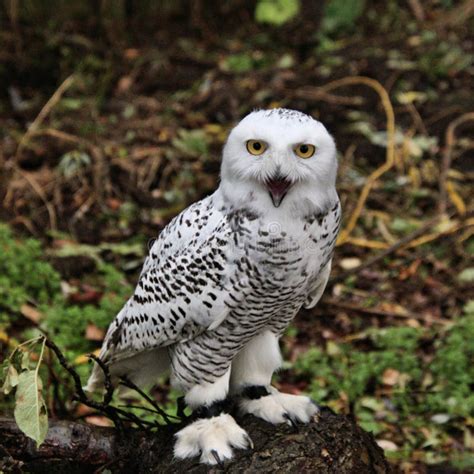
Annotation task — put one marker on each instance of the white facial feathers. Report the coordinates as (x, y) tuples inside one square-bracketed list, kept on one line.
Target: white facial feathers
[(278, 176)]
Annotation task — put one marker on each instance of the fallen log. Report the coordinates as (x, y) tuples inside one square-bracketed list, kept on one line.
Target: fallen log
[(330, 444)]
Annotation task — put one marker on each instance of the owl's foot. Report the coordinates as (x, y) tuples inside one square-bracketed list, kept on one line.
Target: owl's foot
[(212, 438), (275, 407)]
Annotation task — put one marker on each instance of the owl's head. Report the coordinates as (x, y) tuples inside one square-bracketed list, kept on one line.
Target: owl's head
[(280, 158)]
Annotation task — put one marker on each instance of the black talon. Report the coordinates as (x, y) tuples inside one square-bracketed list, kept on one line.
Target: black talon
[(217, 458), (293, 422), (249, 441)]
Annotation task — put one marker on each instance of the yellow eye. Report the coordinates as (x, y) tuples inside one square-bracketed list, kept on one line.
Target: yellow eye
[(256, 147), (305, 150)]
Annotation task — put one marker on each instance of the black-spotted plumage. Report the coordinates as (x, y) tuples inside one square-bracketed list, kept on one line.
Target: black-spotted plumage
[(214, 278)]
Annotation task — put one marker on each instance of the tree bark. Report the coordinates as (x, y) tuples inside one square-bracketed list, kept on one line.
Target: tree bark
[(330, 444)]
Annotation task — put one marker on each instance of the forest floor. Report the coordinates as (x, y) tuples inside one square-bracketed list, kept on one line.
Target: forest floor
[(103, 141)]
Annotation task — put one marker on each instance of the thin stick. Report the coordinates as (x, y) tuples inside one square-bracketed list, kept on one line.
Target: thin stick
[(81, 395), (390, 155), (374, 311), (128, 383), (39, 191), (447, 158), (54, 99), (109, 388), (393, 248)]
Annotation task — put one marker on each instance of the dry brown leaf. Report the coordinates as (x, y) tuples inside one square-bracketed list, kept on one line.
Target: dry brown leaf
[(409, 271), (391, 377), (124, 84), (83, 410), (98, 420), (392, 308), (131, 53), (349, 263), (31, 313), (93, 333)]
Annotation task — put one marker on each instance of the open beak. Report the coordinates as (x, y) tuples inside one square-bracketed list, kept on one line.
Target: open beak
[(278, 187)]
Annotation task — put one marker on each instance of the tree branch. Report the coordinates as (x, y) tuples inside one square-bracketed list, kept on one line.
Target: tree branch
[(332, 443)]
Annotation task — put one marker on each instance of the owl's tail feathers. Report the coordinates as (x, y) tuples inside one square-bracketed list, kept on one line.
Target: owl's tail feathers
[(142, 369)]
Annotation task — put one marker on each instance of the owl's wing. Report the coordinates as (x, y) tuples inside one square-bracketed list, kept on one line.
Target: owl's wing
[(180, 292), (317, 290), (332, 224)]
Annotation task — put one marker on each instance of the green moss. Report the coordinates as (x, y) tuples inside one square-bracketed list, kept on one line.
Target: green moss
[(424, 385), (24, 275)]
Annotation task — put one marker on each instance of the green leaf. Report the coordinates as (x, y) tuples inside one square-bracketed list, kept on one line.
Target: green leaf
[(276, 12), (192, 142), (11, 380), (25, 361), (30, 409), (467, 275), (341, 14), (73, 162)]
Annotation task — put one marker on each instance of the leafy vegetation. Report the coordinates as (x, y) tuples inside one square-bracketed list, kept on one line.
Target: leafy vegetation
[(391, 382)]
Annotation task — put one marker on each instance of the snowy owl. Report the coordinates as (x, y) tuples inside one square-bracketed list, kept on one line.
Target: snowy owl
[(225, 278)]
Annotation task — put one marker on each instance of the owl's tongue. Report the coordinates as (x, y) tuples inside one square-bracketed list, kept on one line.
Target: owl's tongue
[(278, 188)]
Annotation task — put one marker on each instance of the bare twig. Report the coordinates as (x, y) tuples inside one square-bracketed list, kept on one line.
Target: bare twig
[(40, 192), (390, 155), (54, 99), (111, 412), (375, 311), (393, 248), (456, 16), (447, 158), (127, 383), (417, 9), (312, 93), (109, 388)]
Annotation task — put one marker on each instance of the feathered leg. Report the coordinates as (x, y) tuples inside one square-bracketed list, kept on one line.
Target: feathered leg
[(252, 372), (215, 432)]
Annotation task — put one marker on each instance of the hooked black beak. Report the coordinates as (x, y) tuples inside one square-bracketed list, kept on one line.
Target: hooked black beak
[(278, 187)]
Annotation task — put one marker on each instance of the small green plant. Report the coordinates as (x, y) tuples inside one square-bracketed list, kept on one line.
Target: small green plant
[(432, 392), (27, 278), (276, 12), (24, 276), (21, 375), (341, 15)]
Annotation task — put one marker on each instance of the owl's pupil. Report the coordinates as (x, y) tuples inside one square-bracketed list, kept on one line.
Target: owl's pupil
[(257, 146), (304, 149)]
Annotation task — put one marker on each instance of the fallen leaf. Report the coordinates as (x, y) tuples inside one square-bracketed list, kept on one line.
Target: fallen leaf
[(131, 53), (391, 377), (392, 308), (93, 333), (124, 84), (114, 203), (84, 358), (409, 271), (440, 418), (349, 263), (87, 294), (325, 453), (31, 313), (98, 420), (83, 410), (387, 445)]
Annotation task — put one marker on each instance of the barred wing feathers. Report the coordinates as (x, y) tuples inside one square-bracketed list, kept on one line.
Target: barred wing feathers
[(180, 292)]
